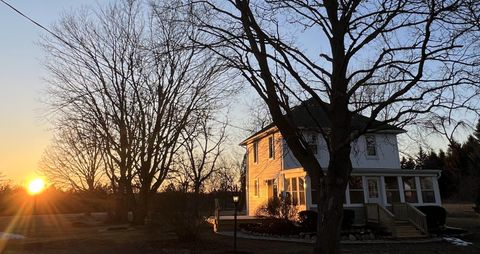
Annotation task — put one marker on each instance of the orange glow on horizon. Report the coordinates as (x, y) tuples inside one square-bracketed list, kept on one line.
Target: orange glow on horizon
[(36, 186)]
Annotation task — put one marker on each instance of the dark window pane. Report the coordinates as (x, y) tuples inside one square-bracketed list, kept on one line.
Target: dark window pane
[(302, 198), (371, 145), (294, 184), (428, 196), (426, 183), (355, 182), (356, 197), (411, 197), (409, 183), (393, 196), (301, 184), (391, 182)]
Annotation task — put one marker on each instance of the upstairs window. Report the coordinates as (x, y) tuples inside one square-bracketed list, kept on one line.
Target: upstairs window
[(271, 148), (371, 145), (255, 151)]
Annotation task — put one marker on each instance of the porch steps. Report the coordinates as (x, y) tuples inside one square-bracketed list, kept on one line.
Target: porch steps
[(405, 229)]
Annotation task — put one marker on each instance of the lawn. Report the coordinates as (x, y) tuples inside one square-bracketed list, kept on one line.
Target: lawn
[(75, 234)]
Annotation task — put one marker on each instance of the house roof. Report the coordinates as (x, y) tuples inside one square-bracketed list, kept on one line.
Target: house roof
[(310, 114)]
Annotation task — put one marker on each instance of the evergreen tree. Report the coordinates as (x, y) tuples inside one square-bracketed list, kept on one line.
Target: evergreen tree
[(407, 163), (420, 159)]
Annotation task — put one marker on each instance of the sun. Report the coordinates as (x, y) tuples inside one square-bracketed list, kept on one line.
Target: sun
[(36, 186)]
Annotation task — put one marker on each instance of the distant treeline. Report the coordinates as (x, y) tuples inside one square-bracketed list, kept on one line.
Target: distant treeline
[(16, 200), (460, 165)]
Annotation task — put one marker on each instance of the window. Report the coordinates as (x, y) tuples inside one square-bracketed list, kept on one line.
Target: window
[(356, 190), (426, 186), (272, 188), (301, 190), (256, 188), (255, 151), (371, 145), (296, 190), (410, 189), (271, 148), (392, 189)]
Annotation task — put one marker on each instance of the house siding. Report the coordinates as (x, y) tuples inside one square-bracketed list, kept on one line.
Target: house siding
[(264, 169), (386, 147)]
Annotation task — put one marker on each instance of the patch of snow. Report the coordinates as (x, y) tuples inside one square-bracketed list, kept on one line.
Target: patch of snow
[(457, 241), (11, 236)]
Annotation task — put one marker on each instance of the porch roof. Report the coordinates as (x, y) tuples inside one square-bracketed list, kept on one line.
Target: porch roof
[(395, 172)]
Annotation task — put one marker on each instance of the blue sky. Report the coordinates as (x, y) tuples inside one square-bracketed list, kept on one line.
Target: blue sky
[(23, 131)]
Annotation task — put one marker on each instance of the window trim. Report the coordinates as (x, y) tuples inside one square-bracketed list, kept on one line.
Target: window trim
[(256, 187), (432, 189), (362, 189), (415, 189), (374, 139), (297, 190), (255, 151), (392, 190), (271, 147)]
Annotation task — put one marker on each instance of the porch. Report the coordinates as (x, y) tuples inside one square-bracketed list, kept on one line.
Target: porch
[(402, 221)]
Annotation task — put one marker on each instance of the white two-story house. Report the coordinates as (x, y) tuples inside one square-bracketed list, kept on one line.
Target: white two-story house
[(376, 177)]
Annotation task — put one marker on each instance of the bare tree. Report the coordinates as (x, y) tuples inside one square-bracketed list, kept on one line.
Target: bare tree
[(201, 153), (74, 160), (390, 60), (132, 71)]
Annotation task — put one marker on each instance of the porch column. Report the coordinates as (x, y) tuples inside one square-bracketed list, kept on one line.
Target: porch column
[(401, 189)]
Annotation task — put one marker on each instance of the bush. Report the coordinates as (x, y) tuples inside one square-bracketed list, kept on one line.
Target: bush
[(278, 208), (272, 227), (348, 218), (436, 216), (308, 219)]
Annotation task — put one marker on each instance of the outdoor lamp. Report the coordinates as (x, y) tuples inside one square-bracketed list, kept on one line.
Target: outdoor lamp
[(235, 202)]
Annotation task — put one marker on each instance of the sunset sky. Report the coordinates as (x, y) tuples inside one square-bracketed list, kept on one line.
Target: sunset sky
[(23, 130)]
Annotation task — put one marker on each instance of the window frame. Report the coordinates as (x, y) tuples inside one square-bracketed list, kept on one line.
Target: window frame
[(432, 189), (295, 193), (271, 147), (413, 189), (256, 187), (255, 151), (387, 190), (371, 143), (350, 190)]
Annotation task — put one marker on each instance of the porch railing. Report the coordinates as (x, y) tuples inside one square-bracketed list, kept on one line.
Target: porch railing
[(406, 211), (380, 215)]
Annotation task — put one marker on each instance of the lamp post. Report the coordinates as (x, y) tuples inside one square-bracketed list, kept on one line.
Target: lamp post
[(235, 202)]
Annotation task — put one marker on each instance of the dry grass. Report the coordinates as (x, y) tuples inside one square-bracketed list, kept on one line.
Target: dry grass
[(65, 234)]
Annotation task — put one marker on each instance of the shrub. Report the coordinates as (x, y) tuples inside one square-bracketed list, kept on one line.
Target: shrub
[(308, 219), (436, 216), (279, 208), (348, 218), (272, 227)]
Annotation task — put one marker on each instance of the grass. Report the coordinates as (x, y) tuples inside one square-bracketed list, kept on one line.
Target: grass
[(64, 234)]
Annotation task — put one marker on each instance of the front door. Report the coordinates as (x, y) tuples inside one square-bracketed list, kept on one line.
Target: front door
[(373, 190)]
